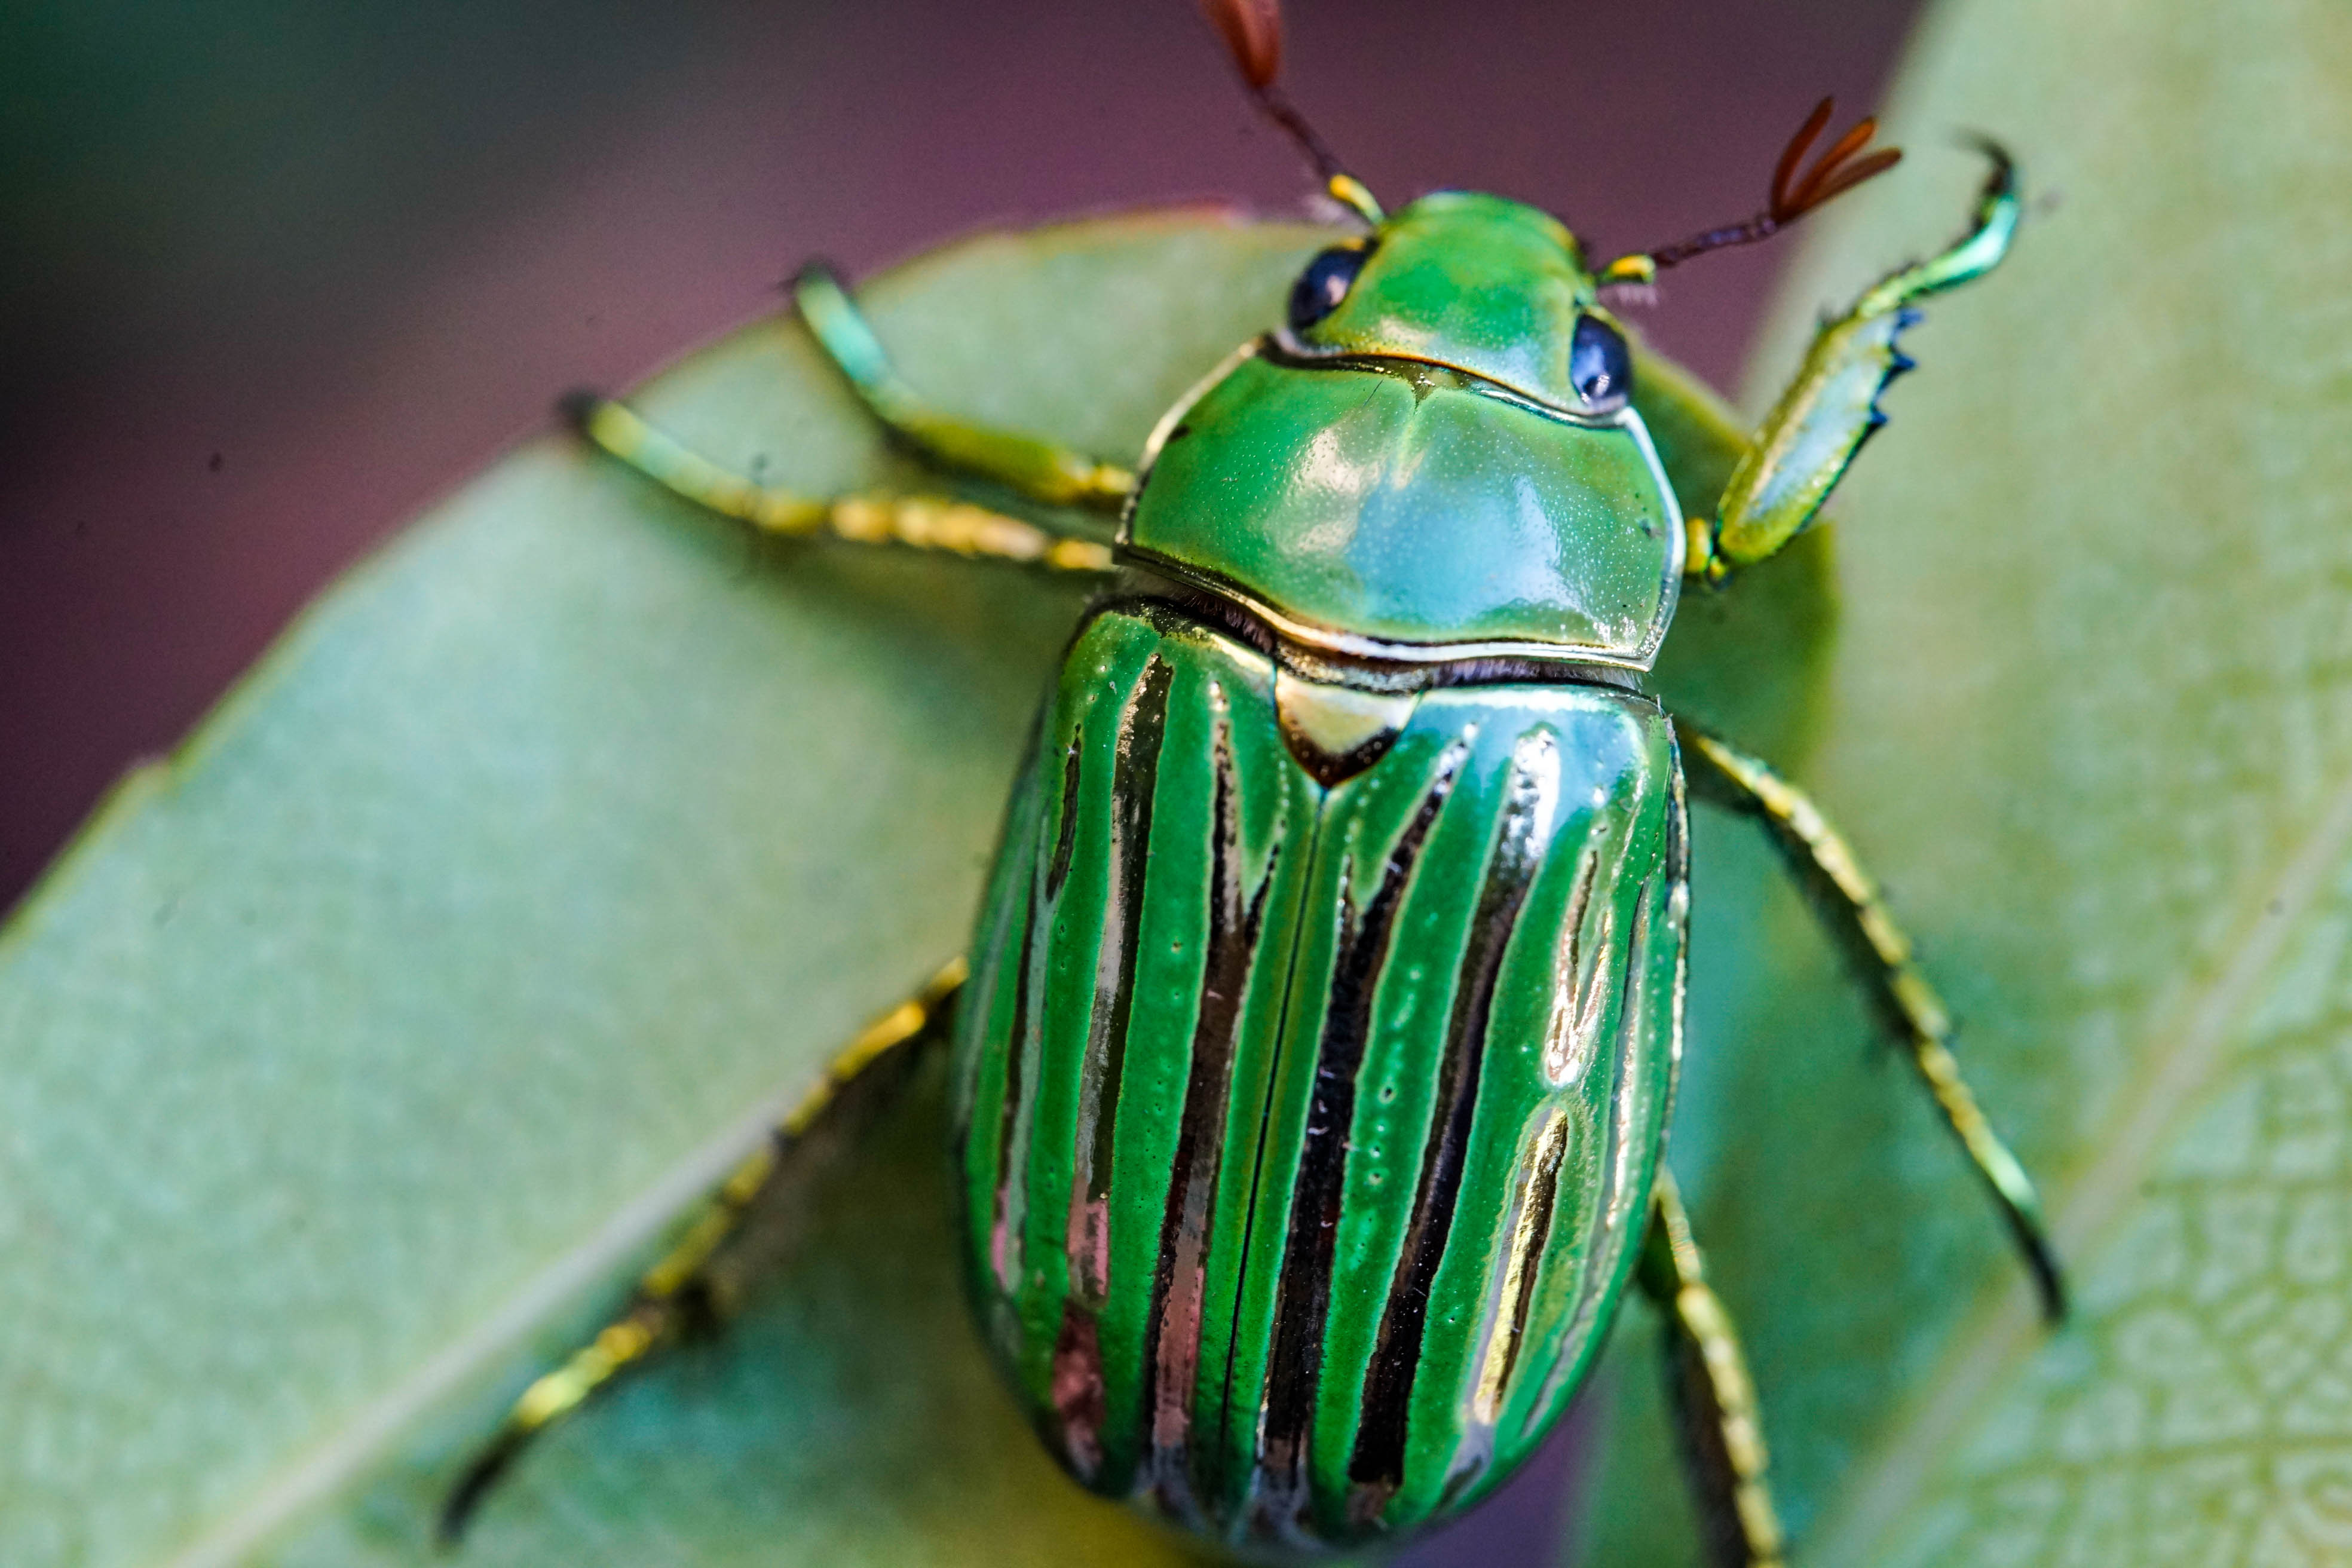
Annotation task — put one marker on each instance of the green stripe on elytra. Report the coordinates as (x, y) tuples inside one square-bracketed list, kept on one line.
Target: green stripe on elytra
[(1234, 1348), (1077, 1373), (1303, 1307), (1026, 1040), (1173, 1325), (1531, 800)]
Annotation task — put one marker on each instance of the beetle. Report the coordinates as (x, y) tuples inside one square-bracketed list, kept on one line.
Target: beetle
[(1314, 1053)]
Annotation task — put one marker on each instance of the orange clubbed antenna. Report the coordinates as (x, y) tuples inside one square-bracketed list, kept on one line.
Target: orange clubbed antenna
[(1253, 33), (1793, 195)]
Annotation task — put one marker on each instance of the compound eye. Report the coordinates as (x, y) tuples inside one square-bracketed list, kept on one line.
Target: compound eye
[(1599, 367), (1324, 284)]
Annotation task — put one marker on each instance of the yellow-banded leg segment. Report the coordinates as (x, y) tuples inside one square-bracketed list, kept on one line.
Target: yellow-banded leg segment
[(1715, 1398), (871, 517), (673, 1296), (1038, 470), (1845, 893)]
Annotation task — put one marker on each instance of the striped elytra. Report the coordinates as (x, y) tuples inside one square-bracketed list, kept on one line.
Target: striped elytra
[(1315, 1047), (1308, 1112)]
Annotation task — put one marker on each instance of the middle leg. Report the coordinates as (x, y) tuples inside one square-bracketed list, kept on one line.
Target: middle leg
[(1845, 893)]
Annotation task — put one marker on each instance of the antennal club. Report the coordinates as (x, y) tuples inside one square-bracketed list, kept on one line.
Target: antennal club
[(1252, 30), (1253, 33), (1793, 195)]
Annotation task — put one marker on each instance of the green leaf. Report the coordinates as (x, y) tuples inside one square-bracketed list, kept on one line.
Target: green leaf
[(356, 1054), (2090, 717), (360, 1054)]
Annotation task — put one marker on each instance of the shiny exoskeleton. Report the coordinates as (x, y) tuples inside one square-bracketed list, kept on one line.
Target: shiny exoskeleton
[(1314, 1064), (1324, 1014)]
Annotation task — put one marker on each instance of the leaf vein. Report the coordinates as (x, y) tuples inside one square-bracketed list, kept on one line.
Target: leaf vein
[(1972, 1372)]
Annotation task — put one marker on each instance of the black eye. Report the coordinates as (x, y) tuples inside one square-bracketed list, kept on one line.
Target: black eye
[(1324, 284), (1600, 365)]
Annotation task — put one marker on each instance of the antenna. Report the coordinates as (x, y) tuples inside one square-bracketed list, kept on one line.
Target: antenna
[(1252, 30), (1834, 173)]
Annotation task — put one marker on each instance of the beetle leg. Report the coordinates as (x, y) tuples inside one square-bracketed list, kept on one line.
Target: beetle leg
[(1809, 438), (676, 1293), (1722, 1430), (913, 522), (1821, 856), (1037, 470)]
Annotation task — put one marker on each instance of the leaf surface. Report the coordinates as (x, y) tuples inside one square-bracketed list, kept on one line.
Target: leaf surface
[(356, 1054), (359, 1054), (2089, 717)]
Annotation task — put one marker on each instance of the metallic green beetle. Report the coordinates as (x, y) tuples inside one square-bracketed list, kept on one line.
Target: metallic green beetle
[(1314, 1051)]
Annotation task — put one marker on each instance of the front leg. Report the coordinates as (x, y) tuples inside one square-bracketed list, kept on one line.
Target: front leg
[(912, 522), (1821, 420), (1039, 470)]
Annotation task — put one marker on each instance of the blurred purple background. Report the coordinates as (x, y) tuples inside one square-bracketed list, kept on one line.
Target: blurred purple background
[(276, 275)]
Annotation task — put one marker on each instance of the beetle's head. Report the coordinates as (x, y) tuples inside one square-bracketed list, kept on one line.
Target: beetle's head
[(1491, 286), (1436, 457), (1474, 283)]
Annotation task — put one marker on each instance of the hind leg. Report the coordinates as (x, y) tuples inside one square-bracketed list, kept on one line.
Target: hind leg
[(1722, 1434), (676, 1293)]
